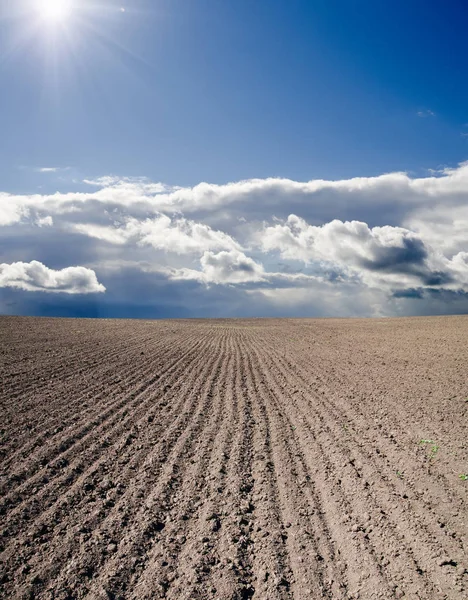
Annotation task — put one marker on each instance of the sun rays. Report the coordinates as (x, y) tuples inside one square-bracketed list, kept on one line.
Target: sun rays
[(55, 11)]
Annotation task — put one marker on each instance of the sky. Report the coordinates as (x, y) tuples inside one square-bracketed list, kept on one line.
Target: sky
[(221, 158)]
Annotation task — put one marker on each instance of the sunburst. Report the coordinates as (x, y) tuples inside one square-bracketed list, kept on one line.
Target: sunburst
[(54, 11)]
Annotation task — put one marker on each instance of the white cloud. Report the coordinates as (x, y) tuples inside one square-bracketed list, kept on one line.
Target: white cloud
[(389, 234), (51, 169), (235, 267), (181, 236), (11, 211), (113, 235), (45, 221), (425, 113), (226, 267), (384, 257), (130, 185), (105, 181), (389, 196), (352, 242), (34, 277)]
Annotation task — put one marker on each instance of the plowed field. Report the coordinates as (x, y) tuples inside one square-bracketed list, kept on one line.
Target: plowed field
[(231, 459)]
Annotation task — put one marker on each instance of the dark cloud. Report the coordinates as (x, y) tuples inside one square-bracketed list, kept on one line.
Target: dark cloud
[(409, 293), (410, 259), (397, 259)]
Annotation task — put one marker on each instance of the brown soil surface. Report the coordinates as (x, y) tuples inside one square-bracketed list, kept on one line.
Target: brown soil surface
[(231, 459)]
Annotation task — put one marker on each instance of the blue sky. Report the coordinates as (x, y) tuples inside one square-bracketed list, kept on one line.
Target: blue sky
[(121, 95)]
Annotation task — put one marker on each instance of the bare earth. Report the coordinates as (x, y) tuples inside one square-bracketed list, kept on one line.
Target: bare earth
[(232, 459)]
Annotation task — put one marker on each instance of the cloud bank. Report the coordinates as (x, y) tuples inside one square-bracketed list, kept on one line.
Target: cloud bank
[(395, 244)]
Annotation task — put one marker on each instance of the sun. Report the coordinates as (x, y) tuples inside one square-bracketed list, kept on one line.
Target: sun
[(54, 10)]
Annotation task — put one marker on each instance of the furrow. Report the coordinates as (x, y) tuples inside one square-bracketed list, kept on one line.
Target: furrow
[(421, 522), (316, 565), (65, 448), (216, 559), (68, 369), (189, 533), (149, 517), (394, 440), (233, 459), (61, 419), (445, 502), (271, 561), (373, 515), (85, 486)]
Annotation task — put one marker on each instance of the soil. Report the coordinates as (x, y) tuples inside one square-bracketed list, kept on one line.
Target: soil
[(234, 459)]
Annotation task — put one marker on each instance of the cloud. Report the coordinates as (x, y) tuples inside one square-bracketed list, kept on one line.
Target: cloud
[(12, 211), (51, 169), (234, 267), (444, 226), (385, 257), (181, 236), (409, 293), (386, 199), (112, 235), (36, 277), (45, 221), (424, 113), (128, 184), (387, 242), (226, 267)]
